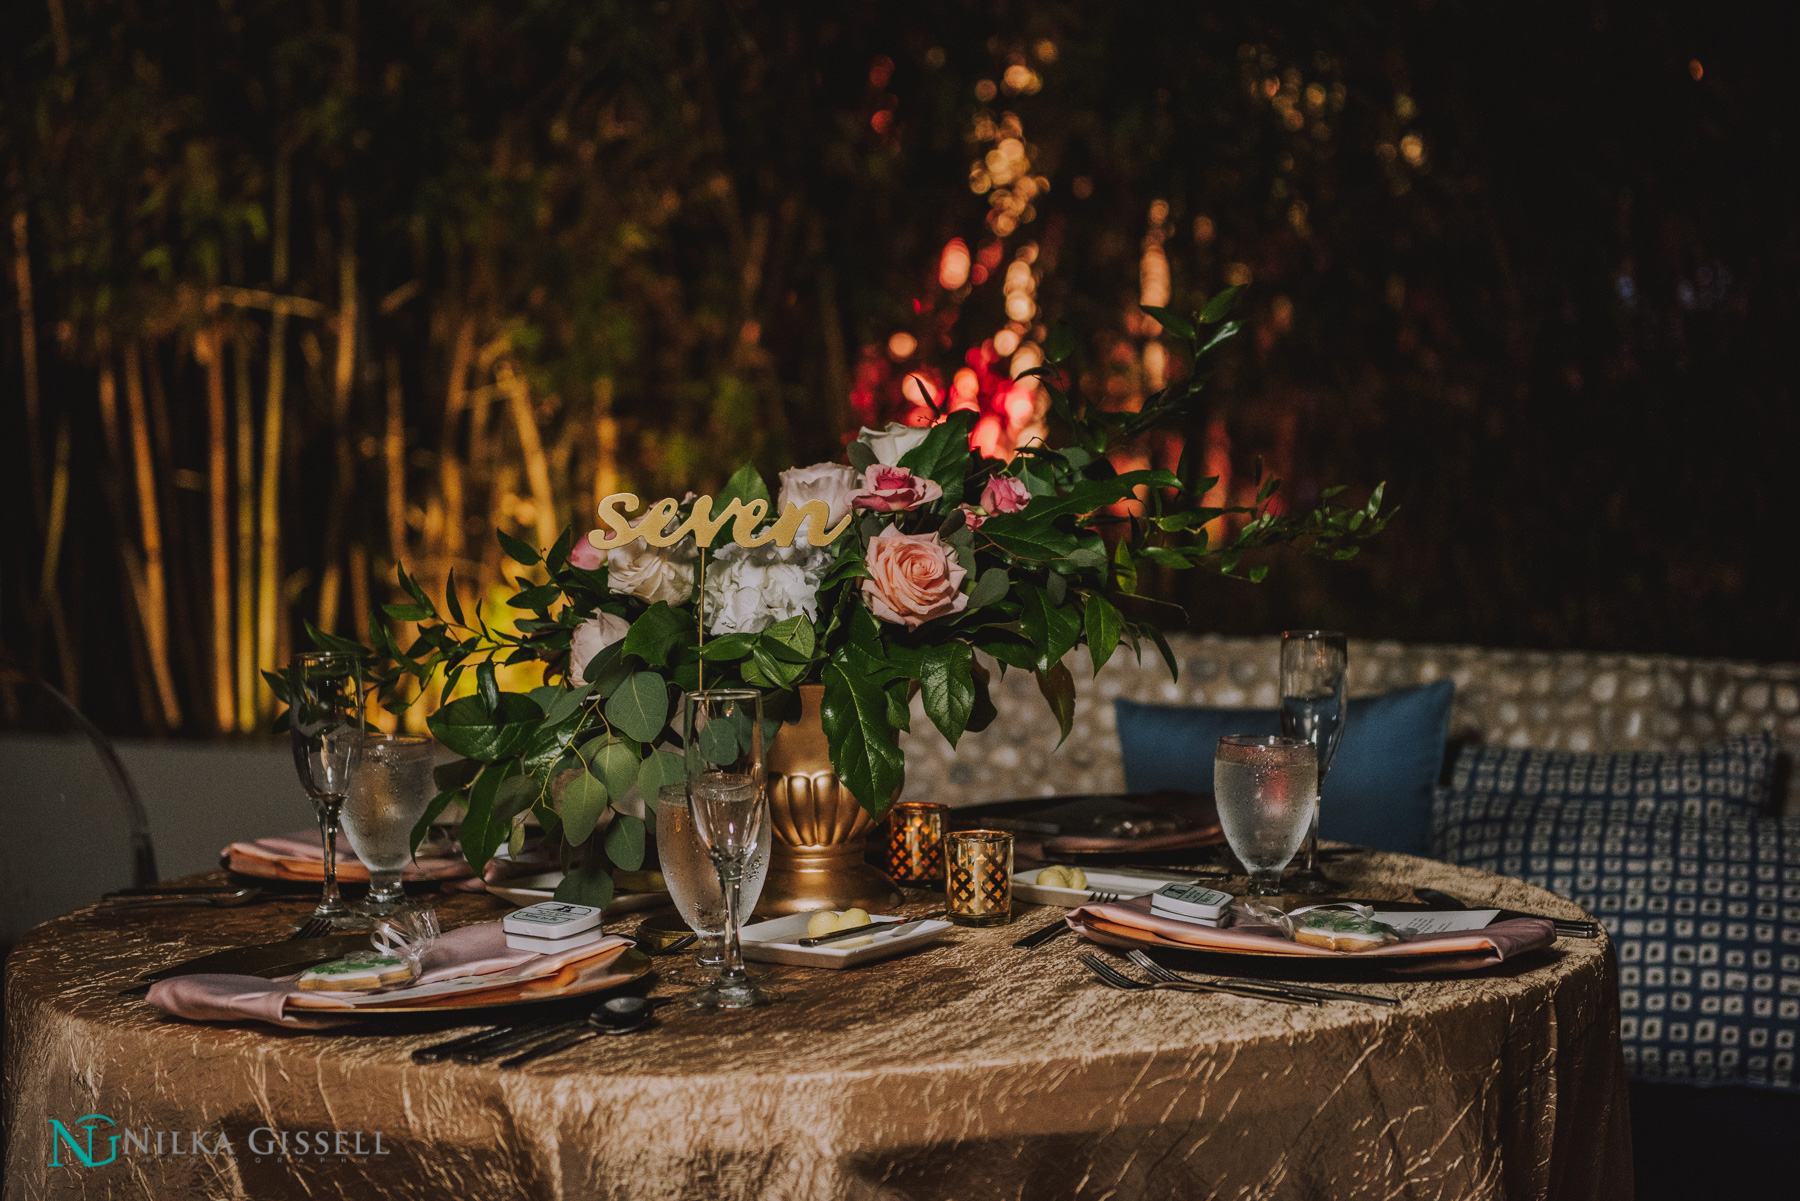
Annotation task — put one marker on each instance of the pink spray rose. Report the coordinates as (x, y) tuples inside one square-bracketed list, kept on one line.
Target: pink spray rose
[(913, 578), (893, 490), (586, 555), (973, 515), (1005, 494)]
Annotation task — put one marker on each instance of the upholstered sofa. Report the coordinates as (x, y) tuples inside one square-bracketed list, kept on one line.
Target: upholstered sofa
[(1553, 700), (1718, 1141)]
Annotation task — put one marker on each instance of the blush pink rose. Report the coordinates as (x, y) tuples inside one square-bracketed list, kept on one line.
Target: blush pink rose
[(893, 490), (913, 578), (1005, 494), (586, 555), (973, 515)]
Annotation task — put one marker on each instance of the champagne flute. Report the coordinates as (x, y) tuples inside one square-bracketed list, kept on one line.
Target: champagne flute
[(1267, 790), (728, 799), (325, 721), (1313, 667)]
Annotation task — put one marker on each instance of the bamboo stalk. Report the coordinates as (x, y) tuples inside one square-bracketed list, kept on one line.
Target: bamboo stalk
[(359, 589), (28, 359), (537, 467), (209, 349), (156, 586), (343, 378), (132, 571), (449, 463), (268, 523), (246, 537), (68, 667), (395, 447)]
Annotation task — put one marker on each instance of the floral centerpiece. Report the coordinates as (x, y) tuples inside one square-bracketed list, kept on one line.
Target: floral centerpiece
[(943, 553)]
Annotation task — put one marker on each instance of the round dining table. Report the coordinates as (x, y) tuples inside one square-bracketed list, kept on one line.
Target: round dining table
[(968, 1069)]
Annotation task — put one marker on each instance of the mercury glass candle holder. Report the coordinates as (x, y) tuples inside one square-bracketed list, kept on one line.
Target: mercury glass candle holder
[(978, 868), (916, 842)]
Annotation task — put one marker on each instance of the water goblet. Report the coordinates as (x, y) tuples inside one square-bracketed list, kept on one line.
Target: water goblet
[(1267, 790), (389, 795), (692, 879), (1313, 708), (325, 723), (729, 801)]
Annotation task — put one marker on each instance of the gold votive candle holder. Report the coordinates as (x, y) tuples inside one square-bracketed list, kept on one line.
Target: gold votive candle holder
[(916, 841), (978, 877)]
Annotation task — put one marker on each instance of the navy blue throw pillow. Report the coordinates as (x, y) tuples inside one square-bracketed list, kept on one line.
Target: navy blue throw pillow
[(1378, 791), (1702, 904)]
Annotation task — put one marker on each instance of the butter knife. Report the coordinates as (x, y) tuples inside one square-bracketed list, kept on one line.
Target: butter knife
[(885, 931)]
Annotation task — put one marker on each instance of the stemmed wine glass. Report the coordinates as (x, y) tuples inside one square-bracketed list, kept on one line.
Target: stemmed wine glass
[(325, 720), (729, 801), (1267, 789), (1313, 665)]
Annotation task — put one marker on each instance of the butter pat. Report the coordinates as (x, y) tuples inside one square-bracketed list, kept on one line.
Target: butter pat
[(551, 920)]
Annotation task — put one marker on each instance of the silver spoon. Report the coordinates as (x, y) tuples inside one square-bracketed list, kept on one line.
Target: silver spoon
[(620, 1015)]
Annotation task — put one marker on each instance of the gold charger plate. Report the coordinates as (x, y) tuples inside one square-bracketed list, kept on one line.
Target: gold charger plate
[(573, 981)]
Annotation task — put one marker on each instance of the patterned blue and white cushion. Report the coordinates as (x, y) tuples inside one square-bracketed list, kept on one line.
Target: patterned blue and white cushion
[(1733, 774), (1703, 909)]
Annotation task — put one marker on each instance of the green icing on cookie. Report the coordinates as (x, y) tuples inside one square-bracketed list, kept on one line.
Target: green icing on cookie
[(355, 967)]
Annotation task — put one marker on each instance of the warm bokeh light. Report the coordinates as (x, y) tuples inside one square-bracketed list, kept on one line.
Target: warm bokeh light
[(1412, 149), (1005, 342), (902, 345), (953, 265), (1695, 71), (1204, 230)]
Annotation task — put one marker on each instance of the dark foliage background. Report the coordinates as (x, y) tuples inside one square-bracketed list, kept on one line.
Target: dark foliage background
[(1532, 264)]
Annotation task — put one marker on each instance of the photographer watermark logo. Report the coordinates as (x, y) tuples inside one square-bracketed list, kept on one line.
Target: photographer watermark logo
[(95, 1140), (81, 1148)]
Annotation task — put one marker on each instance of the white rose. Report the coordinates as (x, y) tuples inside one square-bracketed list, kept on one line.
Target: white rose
[(590, 638), (830, 482), (748, 592), (652, 573), (890, 443)]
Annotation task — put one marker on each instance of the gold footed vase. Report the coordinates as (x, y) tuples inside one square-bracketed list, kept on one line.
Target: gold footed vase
[(820, 830)]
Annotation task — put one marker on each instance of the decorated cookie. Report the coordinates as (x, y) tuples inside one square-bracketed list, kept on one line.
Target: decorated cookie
[(358, 973), (1343, 930)]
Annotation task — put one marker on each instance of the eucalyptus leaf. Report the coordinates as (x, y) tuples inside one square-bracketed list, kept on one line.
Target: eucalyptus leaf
[(991, 587), (659, 770), (582, 803), (587, 884), (625, 842), (514, 796), (617, 763), (640, 706)]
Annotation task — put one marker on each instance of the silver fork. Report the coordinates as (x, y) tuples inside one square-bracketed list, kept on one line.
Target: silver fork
[(313, 927), (1112, 977), (1159, 972), (1103, 898)]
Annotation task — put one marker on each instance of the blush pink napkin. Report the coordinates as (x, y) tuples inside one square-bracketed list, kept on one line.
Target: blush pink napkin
[(303, 846), (1458, 950), (478, 950)]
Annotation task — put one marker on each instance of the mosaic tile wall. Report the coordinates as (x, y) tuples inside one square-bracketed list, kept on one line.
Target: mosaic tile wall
[(1566, 700)]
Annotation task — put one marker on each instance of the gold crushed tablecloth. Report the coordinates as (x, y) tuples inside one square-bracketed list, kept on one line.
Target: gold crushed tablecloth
[(969, 1070)]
